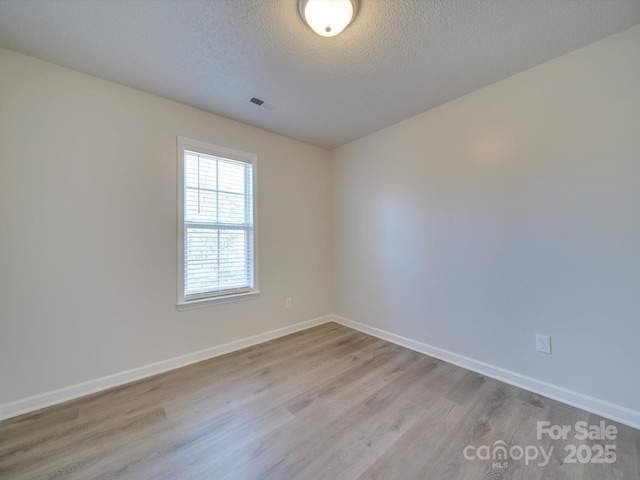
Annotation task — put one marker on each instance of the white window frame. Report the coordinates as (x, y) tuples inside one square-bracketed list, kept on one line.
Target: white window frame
[(217, 151)]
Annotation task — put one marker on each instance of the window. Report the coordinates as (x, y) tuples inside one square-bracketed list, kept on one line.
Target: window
[(216, 229)]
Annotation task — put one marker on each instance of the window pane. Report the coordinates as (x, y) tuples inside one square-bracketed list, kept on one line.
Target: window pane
[(216, 259), (200, 170), (201, 260), (200, 206), (233, 258), (231, 208), (231, 176)]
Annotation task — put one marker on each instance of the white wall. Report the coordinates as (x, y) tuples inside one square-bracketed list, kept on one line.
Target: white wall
[(88, 229), (511, 211)]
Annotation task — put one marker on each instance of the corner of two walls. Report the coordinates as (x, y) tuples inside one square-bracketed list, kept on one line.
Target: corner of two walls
[(88, 234), (511, 211)]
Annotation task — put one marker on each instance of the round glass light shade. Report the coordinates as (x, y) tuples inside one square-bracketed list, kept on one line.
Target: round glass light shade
[(327, 17)]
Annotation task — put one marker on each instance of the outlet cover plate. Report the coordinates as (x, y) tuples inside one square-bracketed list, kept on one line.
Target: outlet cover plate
[(543, 344)]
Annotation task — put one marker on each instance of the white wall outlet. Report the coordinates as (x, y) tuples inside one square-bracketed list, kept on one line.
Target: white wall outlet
[(543, 344), (288, 303)]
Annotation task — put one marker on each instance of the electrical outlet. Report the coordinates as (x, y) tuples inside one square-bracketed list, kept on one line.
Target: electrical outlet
[(287, 302), (543, 344)]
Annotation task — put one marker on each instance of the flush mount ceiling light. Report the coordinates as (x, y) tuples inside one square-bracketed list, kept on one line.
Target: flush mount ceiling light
[(328, 17)]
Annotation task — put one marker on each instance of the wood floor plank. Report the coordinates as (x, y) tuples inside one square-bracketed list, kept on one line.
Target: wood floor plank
[(326, 403), (405, 458)]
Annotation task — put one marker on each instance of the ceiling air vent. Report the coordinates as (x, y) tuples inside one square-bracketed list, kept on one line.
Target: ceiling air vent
[(262, 103)]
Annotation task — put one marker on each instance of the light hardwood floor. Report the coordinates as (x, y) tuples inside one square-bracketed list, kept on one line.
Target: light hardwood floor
[(325, 403)]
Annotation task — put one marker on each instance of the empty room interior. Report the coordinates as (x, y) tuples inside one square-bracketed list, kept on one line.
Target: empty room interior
[(319, 239)]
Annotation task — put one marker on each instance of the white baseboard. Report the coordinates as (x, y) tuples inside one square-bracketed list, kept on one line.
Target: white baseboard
[(47, 399), (597, 406), (594, 405)]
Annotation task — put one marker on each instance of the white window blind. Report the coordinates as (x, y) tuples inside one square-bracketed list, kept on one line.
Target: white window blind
[(218, 227)]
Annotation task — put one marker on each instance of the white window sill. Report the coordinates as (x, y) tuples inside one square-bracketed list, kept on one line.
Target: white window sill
[(207, 302)]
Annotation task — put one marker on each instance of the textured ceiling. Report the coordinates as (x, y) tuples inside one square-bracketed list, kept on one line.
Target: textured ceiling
[(399, 57)]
